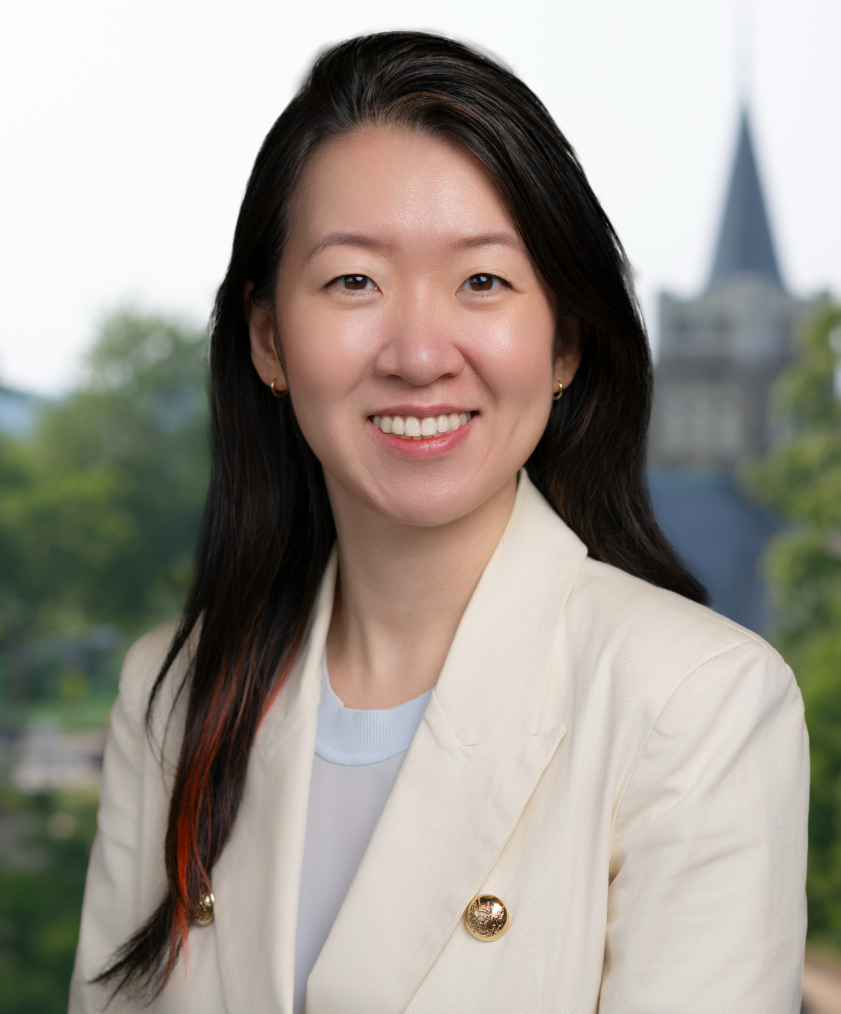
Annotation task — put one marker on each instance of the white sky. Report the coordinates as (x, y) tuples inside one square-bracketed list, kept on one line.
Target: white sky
[(128, 131)]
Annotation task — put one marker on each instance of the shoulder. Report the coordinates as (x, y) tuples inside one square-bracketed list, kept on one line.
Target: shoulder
[(635, 608), (615, 634), (143, 663), (647, 640), (130, 734)]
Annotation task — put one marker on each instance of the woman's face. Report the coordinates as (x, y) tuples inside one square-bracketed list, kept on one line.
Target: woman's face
[(407, 306)]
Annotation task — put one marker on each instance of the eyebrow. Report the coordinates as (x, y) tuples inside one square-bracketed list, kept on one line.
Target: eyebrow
[(347, 239), (489, 239), (357, 239)]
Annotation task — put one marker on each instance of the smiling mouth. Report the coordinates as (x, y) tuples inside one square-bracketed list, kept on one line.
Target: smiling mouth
[(410, 427)]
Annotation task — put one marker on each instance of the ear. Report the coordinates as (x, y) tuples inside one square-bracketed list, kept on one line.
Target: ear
[(261, 333), (570, 343)]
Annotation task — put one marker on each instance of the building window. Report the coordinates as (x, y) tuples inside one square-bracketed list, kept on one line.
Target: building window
[(702, 422)]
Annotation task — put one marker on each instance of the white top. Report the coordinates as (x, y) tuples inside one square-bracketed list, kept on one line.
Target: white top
[(358, 755)]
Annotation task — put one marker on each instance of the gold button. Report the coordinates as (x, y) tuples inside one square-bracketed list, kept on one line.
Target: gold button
[(204, 910), (487, 918)]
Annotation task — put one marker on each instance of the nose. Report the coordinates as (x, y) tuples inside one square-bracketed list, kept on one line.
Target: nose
[(421, 344)]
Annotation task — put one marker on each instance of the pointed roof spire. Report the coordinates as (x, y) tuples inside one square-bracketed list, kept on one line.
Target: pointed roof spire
[(745, 244)]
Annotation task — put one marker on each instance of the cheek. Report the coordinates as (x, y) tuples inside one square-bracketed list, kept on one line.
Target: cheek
[(516, 357), (326, 353)]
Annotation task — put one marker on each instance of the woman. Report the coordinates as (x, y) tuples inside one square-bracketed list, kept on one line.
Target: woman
[(444, 725)]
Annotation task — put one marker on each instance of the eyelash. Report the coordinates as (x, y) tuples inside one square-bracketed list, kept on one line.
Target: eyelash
[(344, 278), (463, 287), (484, 274)]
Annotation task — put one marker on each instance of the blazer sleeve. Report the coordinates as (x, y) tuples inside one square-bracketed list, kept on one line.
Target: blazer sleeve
[(707, 908), (117, 894)]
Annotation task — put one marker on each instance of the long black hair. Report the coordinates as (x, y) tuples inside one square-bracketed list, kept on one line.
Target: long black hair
[(268, 529)]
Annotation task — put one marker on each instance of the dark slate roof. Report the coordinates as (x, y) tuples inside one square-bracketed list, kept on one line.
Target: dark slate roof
[(720, 536), (745, 245)]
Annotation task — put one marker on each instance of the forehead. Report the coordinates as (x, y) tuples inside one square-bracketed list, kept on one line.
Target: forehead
[(396, 181)]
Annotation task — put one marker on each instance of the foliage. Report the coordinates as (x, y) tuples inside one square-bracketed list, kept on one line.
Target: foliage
[(99, 509), (801, 479), (42, 875)]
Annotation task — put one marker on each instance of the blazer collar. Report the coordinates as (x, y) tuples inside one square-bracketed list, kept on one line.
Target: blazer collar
[(493, 683), (474, 762), (476, 758)]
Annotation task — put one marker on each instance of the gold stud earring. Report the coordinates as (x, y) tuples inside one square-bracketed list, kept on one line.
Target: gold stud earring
[(275, 392), (560, 392)]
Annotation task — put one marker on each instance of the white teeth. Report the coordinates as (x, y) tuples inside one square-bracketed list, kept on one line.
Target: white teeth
[(412, 428)]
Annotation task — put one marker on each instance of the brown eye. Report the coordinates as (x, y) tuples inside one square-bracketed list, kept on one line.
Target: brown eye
[(355, 282), (481, 283)]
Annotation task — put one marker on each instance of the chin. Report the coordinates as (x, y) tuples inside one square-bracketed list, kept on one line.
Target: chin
[(418, 495), (431, 517), (426, 504)]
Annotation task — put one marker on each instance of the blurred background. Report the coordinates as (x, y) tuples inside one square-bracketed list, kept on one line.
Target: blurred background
[(709, 131)]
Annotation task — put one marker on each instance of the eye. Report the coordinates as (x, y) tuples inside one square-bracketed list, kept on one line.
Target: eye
[(353, 283), (483, 283)]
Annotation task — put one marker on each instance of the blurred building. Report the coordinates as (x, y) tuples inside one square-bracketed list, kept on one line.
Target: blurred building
[(45, 759), (720, 356)]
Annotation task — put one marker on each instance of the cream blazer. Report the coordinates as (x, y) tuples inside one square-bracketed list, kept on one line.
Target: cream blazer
[(625, 769)]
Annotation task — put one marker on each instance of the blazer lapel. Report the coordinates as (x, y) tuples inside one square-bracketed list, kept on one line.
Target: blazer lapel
[(473, 764), (257, 880)]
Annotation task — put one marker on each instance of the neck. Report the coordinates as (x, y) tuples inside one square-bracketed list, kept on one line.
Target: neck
[(401, 593)]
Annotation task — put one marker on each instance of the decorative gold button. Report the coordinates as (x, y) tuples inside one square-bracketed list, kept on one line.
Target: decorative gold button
[(487, 918), (204, 910)]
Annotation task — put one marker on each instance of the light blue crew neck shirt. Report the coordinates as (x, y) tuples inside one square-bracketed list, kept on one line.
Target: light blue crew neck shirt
[(358, 755)]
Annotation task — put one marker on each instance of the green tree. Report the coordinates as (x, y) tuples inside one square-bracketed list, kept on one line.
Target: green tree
[(100, 507), (801, 479), (42, 878), (99, 512)]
